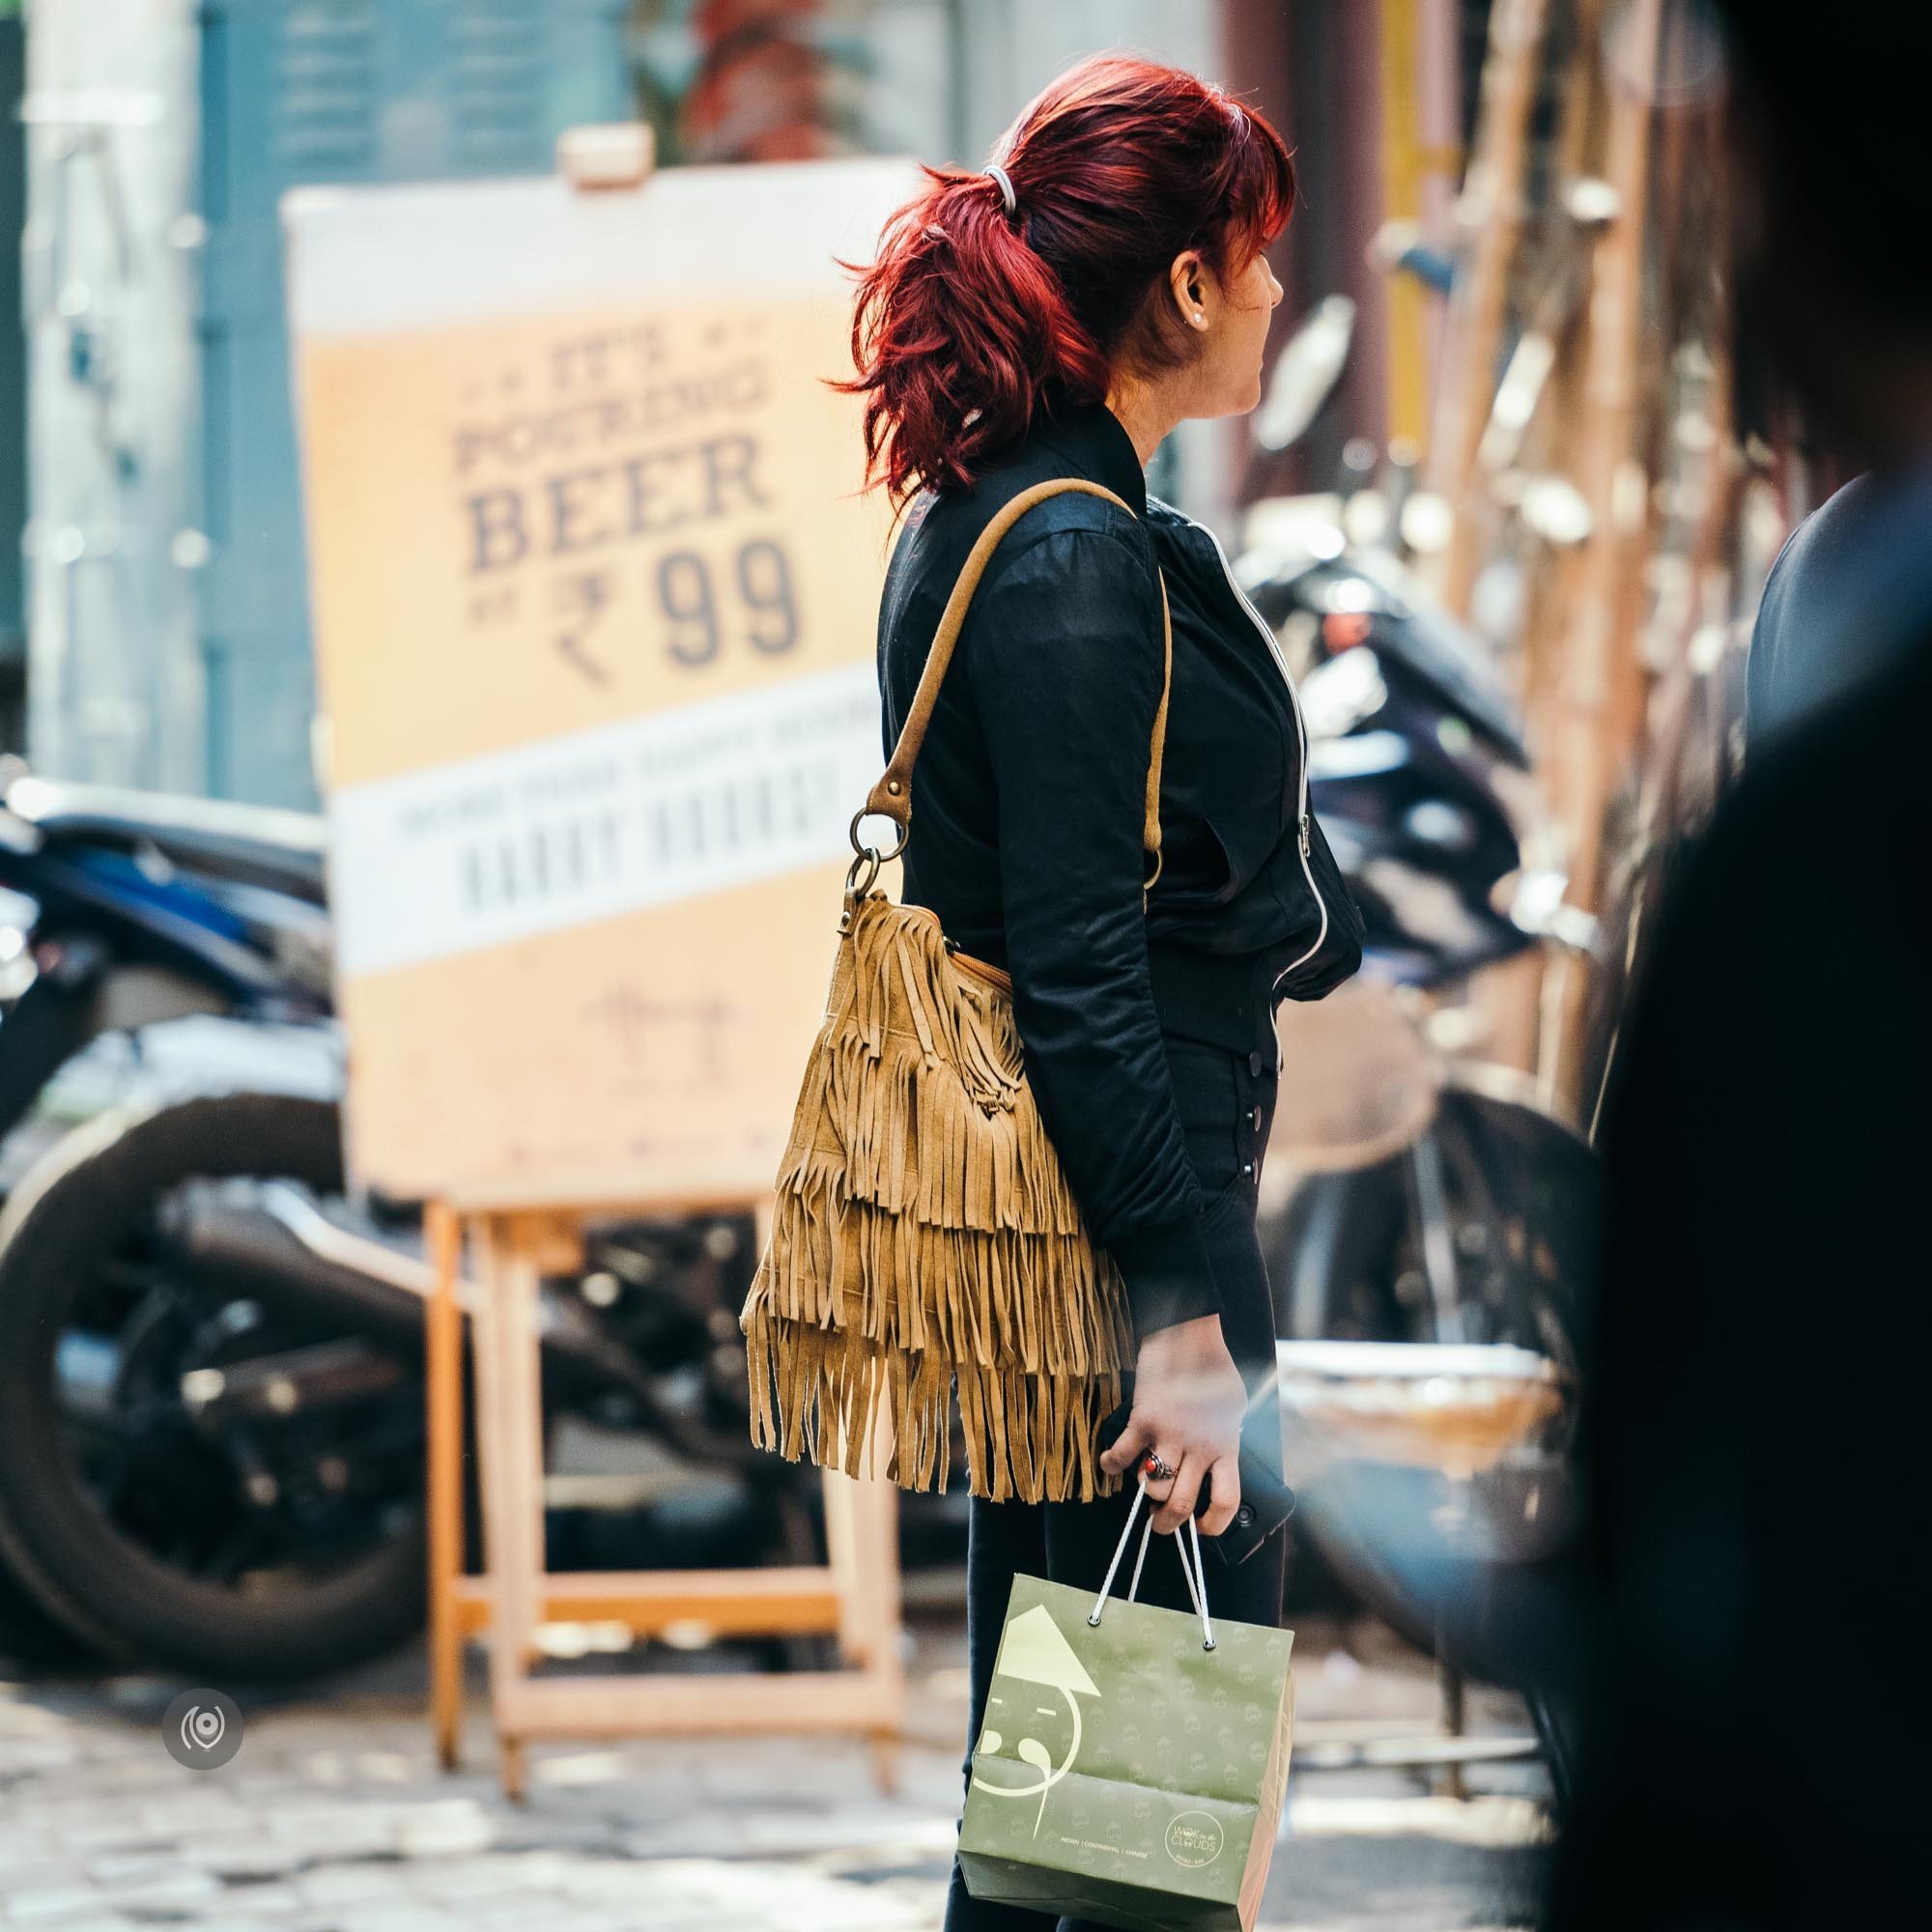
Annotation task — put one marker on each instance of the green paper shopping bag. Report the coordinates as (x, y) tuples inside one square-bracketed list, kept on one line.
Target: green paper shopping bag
[(1132, 1762)]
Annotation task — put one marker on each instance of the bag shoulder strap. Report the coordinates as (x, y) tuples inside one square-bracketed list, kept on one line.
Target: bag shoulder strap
[(891, 796)]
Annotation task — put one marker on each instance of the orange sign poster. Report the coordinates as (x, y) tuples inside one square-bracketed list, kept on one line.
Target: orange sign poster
[(594, 592)]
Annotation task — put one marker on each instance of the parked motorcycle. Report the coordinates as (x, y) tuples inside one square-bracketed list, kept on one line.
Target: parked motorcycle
[(1436, 1198), (211, 1355)]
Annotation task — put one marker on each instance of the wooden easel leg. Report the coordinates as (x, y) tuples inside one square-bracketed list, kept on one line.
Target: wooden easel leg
[(492, 1453), (522, 1418), (443, 1393), (843, 1560), (510, 1441), (871, 1587)]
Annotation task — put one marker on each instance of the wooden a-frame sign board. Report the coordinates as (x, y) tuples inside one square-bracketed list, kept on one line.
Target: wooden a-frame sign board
[(593, 590), (855, 1596)]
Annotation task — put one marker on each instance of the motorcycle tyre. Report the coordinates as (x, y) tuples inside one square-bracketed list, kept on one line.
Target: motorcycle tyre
[(1326, 1241), (89, 1580), (31, 1641)]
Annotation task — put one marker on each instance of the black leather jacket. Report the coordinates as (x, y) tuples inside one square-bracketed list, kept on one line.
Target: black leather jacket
[(1027, 809)]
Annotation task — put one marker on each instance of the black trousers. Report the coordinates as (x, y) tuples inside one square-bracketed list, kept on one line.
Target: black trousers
[(1227, 1103)]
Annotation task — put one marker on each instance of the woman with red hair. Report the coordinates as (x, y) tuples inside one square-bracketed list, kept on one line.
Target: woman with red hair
[(1058, 315)]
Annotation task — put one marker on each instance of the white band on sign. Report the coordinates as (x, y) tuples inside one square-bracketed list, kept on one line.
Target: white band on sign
[(670, 805)]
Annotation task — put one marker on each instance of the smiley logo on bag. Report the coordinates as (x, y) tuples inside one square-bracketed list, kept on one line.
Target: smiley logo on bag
[(1195, 1838), (1033, 1651)]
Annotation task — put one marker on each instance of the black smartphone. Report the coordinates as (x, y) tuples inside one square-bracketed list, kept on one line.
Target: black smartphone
[(1266, 1501)]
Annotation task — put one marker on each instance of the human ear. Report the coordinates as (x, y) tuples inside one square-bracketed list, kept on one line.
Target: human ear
[(1188, 278)]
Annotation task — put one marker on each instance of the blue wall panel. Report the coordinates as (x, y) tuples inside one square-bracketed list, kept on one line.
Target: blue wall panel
[(296, 91)]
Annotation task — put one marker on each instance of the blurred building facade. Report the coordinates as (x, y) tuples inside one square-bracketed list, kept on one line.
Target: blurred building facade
[(168, 634), (164, 603)]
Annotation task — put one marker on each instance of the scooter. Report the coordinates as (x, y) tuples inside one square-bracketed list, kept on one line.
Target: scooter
[(1455, 1205), (1418, 1192)]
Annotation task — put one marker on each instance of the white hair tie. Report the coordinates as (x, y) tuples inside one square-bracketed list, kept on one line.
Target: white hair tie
[(1000, 175)]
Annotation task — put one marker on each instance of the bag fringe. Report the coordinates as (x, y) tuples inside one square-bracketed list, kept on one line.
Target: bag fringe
[(924, 1232)]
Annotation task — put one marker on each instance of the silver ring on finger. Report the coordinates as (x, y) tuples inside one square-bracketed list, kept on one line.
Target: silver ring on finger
[(1156, 1467)]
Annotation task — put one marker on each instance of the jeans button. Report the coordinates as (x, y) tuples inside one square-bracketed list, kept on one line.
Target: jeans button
[(1255, 1061), (1247, 1167)]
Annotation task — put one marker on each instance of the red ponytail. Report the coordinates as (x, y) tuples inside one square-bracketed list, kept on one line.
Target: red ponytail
[(970, 317)]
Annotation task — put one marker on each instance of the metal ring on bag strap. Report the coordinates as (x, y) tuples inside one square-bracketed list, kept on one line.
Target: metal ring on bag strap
[(1196, 1573), (869, 855), (884, 858)]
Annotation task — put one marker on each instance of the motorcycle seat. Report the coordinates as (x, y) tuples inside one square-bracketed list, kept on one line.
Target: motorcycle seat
[(260, 845)]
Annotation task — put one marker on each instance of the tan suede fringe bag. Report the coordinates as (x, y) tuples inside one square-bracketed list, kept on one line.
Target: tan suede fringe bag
[(923, 1230)]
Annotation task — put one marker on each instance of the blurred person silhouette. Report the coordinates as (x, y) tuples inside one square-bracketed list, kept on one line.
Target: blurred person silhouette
[(1756, 1700), (1852, 585)]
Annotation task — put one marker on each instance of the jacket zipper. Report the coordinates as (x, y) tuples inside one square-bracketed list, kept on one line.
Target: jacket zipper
[(1266, 630)]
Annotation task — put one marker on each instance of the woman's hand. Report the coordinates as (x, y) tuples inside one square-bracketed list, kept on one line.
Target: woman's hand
[(1188, 1404)]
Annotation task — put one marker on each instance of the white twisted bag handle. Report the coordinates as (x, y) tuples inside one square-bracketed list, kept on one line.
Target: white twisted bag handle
[(1196, 1571)]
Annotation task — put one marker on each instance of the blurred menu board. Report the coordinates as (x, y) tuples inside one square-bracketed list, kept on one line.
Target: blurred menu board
[(594, 594)]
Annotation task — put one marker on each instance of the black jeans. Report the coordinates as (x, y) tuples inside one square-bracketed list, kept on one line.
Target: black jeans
[(1227, 1103)]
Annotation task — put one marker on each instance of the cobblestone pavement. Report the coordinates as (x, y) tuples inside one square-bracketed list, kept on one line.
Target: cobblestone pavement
[(333, 1819)]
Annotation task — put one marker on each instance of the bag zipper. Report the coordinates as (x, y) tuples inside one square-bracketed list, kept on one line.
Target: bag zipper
[(1302, 820)]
